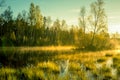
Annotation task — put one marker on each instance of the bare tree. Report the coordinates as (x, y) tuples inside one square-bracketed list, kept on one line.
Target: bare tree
[(82, 21), (82, 25), (98, 19)]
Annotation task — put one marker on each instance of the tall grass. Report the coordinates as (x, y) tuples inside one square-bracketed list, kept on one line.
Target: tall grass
[(19, 64)]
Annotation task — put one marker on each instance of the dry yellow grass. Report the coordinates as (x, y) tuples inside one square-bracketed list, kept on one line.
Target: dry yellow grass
[(49, 66), (37, 48), (88, 57)]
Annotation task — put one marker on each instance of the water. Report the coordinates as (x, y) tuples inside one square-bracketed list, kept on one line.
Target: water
[(64, 68), (89, 75), (109, 63)]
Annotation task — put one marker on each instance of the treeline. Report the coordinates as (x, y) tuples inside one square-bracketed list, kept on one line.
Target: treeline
[(33, 29)]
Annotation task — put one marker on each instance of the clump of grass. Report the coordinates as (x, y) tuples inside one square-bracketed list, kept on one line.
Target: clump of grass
[(8, 74), (49, 66), (105, 70), (116, 59), (108, 77), (32, 73), (108, 55), (118, 71), (7, 71), (101, 60), (116, 62), (74, 66)]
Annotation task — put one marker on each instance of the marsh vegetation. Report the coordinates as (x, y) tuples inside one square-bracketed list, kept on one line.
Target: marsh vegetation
[(16, 64)]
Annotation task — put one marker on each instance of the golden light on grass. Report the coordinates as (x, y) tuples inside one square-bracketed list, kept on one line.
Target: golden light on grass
[(36, 48)]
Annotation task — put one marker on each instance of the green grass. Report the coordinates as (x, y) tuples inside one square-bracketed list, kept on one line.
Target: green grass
[(46, 64)]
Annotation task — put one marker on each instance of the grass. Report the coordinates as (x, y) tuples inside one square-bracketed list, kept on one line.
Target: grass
[(52, 63), (37, 48), (108, 55)]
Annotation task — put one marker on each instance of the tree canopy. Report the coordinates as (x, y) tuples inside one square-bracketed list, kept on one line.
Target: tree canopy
[(33, 29)]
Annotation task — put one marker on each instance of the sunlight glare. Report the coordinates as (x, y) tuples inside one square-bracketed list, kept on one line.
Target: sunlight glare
[(113, 28)]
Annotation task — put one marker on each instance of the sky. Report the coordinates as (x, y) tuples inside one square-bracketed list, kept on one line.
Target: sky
[(69, 10)]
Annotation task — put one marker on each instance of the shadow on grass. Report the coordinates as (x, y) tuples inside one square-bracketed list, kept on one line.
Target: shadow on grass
[(16, 59)]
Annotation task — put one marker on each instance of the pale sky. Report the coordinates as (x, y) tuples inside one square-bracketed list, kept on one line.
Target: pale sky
[(69, 10)]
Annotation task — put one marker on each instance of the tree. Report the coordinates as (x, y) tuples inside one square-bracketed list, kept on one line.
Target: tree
[(98, 20), (36, 24), (1, 20), (21, 28), (8, 34), (32, 14), (7, 20), (38, 18), (31, 17), (48, 21), (82, 25), (63, 25), (82, 20), (7, 14), (35, 16), (56, 28)]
